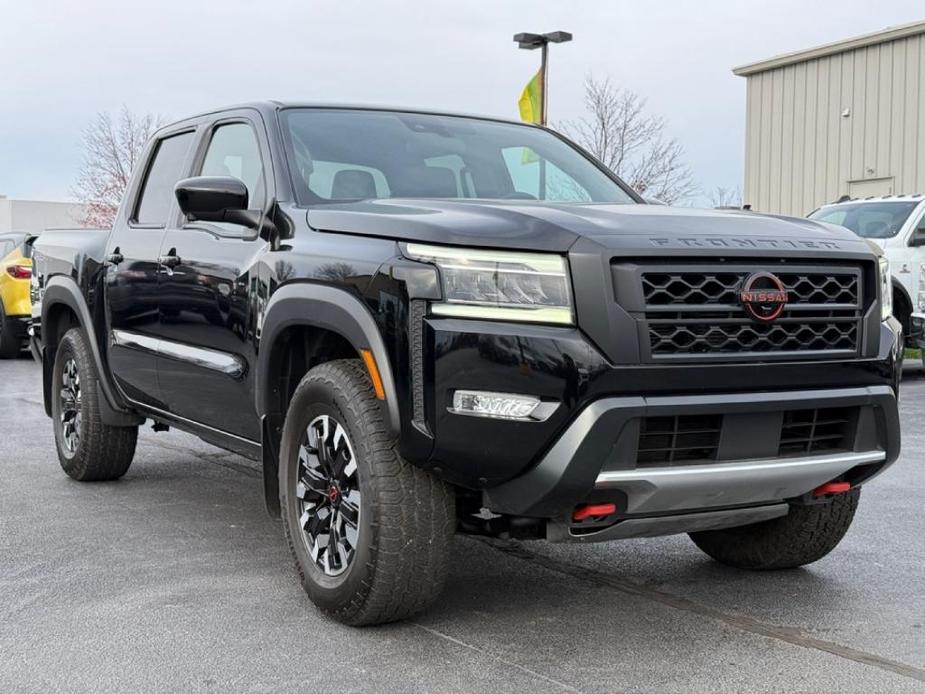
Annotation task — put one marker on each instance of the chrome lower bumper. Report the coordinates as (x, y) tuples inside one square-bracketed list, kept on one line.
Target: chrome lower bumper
[(747, 482)]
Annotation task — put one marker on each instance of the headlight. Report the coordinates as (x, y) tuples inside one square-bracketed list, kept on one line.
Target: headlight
[(499, 285), (886, 289)]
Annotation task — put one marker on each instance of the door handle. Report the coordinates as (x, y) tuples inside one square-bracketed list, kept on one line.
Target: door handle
[(115, 258), (170, 260)]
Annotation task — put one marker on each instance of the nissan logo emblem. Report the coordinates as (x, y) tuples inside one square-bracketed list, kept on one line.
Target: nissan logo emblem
[(763, 296)]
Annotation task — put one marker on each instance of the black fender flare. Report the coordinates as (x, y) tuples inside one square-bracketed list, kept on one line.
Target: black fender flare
[(329, 308), (62, 290)]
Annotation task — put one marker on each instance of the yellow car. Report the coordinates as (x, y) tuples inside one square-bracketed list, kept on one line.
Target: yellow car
[(15, 302)]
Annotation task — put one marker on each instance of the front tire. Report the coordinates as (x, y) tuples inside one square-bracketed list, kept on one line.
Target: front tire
[(88, 449), (804, 535), (370, 533)]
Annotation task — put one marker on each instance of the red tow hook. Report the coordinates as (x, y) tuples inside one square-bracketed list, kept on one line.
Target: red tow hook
[(593, 510), (831, 488)]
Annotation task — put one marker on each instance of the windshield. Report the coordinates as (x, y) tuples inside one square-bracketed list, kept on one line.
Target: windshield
[(872, 220), (357, 155)]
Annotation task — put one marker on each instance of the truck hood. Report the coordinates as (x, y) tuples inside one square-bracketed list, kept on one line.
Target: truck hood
[(556, 227)]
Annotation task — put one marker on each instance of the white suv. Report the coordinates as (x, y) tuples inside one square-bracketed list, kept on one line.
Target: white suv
[(896, 223)]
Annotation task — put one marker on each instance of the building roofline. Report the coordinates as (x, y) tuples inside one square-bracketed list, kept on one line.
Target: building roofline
[(7, 198), (883, 36)]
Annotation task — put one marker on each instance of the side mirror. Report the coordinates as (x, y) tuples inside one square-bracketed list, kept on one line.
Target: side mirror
[(918, 236), (215, 199)]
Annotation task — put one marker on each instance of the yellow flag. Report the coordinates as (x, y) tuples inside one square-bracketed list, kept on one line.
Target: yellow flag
[(531, 100)]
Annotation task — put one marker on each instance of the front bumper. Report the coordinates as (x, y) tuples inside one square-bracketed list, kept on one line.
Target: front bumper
[(594, 459)]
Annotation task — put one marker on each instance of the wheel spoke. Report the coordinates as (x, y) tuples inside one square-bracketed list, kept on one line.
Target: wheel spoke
[(327, 495), (69, 400), (350, 508)]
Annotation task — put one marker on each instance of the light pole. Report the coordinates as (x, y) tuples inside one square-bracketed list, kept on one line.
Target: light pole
[(542, 41)]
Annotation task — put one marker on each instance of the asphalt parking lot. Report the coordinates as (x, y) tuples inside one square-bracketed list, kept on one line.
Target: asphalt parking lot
[(175, 579)]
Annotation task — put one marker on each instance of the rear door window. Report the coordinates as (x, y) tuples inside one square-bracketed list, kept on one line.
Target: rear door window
[(165, 170)]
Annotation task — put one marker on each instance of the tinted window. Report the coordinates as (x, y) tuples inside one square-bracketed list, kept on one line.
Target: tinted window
[(410, 155), (167, 168), (233, 151), (872, 220)]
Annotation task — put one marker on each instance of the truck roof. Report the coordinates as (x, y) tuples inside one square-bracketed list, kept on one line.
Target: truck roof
[(902, 197), (271, 106)]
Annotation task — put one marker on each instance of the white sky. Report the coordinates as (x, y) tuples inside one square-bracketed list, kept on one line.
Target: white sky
[(61, 62)]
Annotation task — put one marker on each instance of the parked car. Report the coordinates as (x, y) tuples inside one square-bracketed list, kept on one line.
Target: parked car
[(15, 279), (896, 223), (423, 323)]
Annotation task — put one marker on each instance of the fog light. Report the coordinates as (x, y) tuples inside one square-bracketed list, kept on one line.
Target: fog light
[(481, 403)]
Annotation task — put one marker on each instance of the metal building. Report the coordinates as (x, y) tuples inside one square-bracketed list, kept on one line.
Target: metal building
[(846, 118), (32, 216)]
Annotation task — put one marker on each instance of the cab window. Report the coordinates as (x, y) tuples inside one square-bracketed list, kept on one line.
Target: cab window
[(165, 170), (233, 151)]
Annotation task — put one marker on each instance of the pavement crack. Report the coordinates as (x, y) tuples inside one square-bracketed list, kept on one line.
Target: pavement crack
[(789, 635), (498, 658)]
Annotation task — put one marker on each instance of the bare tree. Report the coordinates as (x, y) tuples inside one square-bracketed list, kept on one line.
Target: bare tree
[(726, 197), (112, 147), (632, 143)]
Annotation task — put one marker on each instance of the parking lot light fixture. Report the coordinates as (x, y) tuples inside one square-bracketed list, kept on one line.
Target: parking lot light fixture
[(529, 42)]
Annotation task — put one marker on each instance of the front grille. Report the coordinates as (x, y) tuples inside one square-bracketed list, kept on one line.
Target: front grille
[(809, 432), (679, 439), (669, 440), (723, 338), (693, 312), (705, 288)]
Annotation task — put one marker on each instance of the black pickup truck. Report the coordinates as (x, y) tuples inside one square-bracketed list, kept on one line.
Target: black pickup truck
[(421, 324)]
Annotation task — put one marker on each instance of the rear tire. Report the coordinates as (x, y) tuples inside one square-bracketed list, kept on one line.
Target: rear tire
[(10, 343), (392, 522), (803, 536), (88, 450)]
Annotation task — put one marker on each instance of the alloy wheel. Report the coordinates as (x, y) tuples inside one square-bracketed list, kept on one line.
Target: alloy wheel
[(327, 495), (70, 406)]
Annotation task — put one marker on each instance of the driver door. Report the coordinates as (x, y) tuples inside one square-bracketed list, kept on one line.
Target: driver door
[(208, 292)]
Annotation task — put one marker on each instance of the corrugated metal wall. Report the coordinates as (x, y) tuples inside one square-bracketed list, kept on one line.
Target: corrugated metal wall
[(801, 151)]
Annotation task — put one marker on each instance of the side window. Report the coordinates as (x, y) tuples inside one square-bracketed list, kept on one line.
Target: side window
[(233, 151), (528, 171), (163, 173)]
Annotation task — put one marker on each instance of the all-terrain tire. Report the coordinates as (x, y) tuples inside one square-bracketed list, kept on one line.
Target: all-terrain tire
[(803, 536), (406, 517), (99, 452), (10, 343)]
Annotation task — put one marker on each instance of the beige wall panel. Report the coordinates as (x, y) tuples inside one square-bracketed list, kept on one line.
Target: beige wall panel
[(802, 152)]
